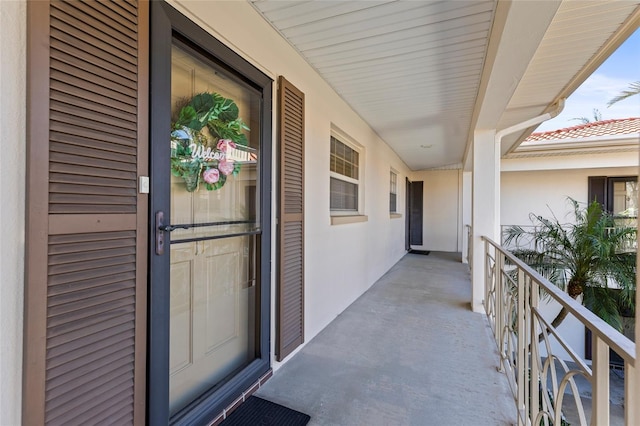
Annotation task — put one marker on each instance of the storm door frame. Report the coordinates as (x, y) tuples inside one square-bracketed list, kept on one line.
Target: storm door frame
[(168, 24)]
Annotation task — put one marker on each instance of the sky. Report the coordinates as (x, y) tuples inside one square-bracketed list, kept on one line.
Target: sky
[(611, 78)]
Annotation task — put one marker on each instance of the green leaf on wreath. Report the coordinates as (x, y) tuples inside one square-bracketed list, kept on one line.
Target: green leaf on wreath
[(183, 150), (236, 169), (214, 130), (196, 125), (220, 183), (187, 115), (229, 111), (202, 103), (241, 139), (220, 130)]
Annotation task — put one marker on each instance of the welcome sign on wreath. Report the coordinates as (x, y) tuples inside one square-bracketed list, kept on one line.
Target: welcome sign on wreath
[(205, 131)]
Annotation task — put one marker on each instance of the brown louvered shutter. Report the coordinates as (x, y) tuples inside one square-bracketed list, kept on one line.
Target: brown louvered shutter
[(85, 304), (290, 324), (597, 190)]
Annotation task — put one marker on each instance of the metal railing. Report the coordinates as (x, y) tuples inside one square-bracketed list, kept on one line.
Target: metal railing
[(544, 385)]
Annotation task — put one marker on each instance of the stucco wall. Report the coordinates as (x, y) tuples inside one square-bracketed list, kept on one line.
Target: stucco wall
[(341, 261), (525, 192), (12, 123), (442, 209)]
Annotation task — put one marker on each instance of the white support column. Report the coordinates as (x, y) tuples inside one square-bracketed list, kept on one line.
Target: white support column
[(485, 210), (466, 213), (633, 412)]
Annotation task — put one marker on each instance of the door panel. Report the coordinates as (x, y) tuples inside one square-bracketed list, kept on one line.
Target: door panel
[(222, 299), (211, 315), (182, 271)]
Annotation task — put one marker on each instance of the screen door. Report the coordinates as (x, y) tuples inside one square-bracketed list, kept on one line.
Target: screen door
[(214, 227)]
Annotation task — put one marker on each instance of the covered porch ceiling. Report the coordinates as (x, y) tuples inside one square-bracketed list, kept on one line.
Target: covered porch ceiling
[(425, 74)]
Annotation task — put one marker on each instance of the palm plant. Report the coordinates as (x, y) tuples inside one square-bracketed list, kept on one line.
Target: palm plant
[(634, 89), (582, 258), (597, 116)]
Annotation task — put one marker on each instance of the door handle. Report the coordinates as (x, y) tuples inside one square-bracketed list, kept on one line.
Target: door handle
[(169, 228), (160, 233), (161, 228)]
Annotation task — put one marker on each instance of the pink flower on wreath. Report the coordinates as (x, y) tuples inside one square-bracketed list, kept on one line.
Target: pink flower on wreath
[(211, 176), (226, 167), (225, 144)]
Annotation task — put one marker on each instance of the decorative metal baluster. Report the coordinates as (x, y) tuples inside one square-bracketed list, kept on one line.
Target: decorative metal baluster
[(540, 384), (522, 361), (500, 300), (534, 375)]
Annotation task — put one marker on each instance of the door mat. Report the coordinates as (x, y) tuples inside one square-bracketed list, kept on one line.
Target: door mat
[(260, 412), (424, 252)]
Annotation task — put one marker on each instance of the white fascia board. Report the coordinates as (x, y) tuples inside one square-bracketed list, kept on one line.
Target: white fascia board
[(575, 145), (568, 162)]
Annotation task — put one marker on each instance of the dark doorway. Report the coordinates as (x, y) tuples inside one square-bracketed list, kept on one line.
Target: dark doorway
[(407, 225), (415, 212)]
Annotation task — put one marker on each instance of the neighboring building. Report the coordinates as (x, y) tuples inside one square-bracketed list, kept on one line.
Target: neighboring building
[(585, 162), (161, 258), (596, 160)]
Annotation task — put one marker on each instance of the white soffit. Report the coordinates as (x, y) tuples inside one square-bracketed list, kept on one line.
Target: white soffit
[(582, 35), (410, 69)]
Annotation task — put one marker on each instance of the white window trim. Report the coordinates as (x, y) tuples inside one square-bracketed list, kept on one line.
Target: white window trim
[(350, 142), (344, 178), (341, 220), (392, 170)]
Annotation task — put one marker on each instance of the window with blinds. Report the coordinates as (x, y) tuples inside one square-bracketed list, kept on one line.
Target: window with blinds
[(393, 192), (344, 178)]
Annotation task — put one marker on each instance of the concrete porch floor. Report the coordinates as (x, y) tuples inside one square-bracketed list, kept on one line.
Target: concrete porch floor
[(408, 352)]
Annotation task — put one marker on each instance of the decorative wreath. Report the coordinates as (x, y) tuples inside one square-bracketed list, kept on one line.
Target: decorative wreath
[(203, 132)]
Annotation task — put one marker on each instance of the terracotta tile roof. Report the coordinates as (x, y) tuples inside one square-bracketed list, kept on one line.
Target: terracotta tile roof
[(618, 126)]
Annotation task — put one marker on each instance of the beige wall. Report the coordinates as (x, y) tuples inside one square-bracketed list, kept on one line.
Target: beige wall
[(442, 209), (12, 158), (522, 192), (341, 261), (525, 192)]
